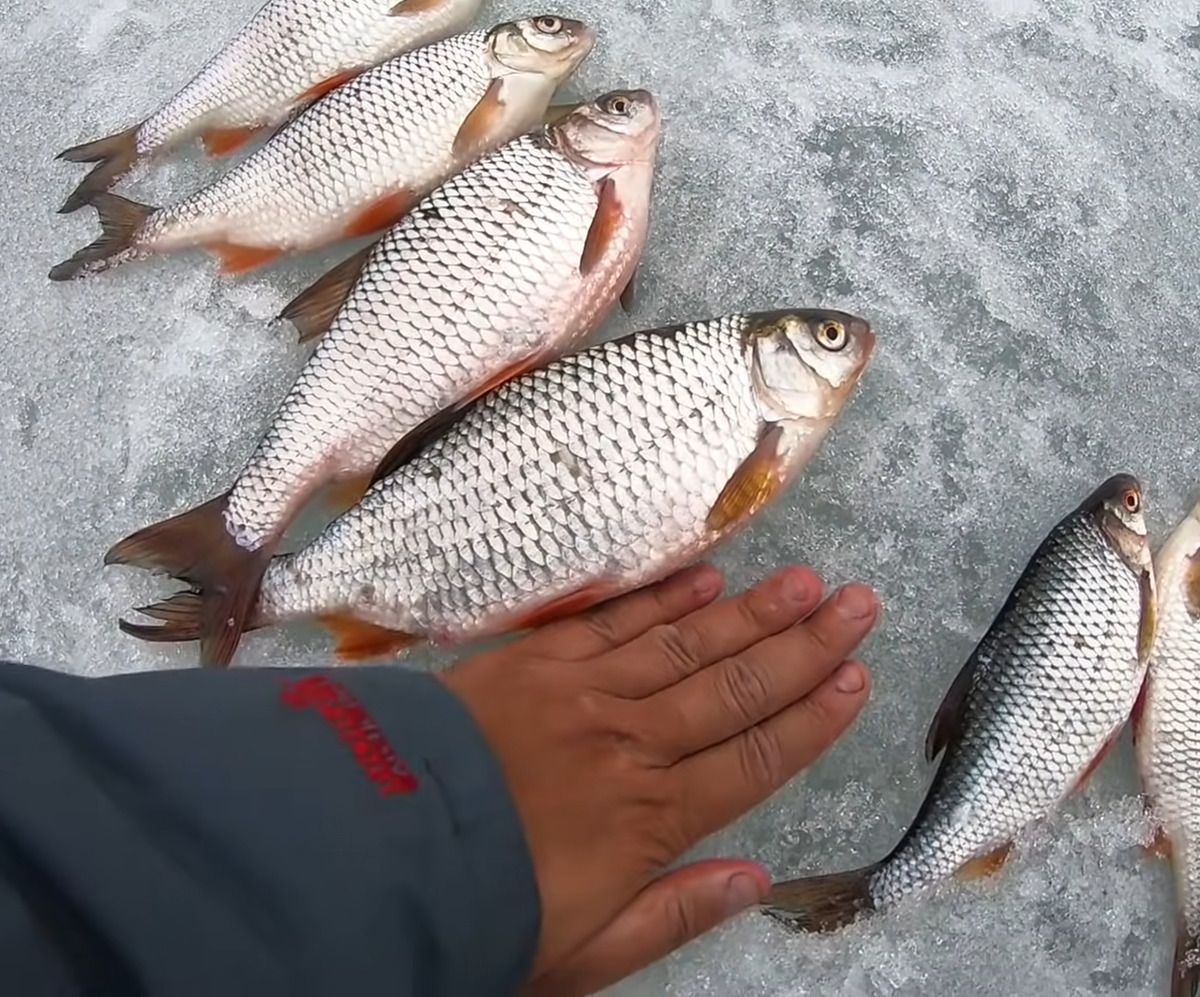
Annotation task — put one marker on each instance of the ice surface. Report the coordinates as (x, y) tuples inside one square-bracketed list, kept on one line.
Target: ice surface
[(1007, 189)]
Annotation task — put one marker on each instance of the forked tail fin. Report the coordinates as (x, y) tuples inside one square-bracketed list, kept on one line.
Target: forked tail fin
[(114, 156), (196, 547), (120, 222), (821, 903)]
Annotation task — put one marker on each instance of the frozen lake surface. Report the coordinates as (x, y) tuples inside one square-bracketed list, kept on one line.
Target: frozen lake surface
[(1009, 191)]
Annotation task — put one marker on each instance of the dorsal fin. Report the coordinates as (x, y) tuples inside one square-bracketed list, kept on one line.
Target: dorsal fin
[(412, 443)]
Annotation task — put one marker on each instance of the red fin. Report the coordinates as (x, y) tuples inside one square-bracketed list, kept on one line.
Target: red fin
[(606, 222), (319, 90), (563, 606), (196, 547), (382, 214), (752, 486), (223, 141), (313, 310), (120, 222), (946, 726), (821, 903), (345, 493), (983, 866), (1095, 763), (358, 640), (237, 259), (114, 156)]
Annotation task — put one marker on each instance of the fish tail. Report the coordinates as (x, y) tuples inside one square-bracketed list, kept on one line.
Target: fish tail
[(821, 903), (196, 547), (114, 156), (120, 222), (1185, 972)]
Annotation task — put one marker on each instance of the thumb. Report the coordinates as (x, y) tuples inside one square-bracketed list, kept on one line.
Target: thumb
[(667, 914)]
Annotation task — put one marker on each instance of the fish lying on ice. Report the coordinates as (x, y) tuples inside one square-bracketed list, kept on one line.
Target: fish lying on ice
[(360, 158), (510, 262), (595, 474), (1039, 702), (1166, 736), (289, 54)]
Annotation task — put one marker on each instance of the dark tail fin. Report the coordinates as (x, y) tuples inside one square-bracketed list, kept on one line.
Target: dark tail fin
[(195, 547), (120, 222), (1185, 972), (821, 903), (114, 155)]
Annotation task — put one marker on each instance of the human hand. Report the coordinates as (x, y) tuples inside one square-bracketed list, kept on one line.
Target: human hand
[(629, 733)]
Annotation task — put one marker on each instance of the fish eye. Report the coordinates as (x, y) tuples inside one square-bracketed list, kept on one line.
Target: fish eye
[(549, 25), (1132, 501), (832, 335), (619, 105)]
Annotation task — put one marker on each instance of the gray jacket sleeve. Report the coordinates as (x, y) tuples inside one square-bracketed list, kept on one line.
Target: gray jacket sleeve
[(260, 832)]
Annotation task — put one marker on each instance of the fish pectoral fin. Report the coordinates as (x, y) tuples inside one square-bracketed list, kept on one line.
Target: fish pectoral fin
[(313, 310), (1148, 618), (482, 126), (753, 485), (237, 259), (384, 213), (319, 90), (556, 112), (416, 7), (562, 606), (224, 141), (629, 293), (358, 640), (346, 492), (821, 903), (606, 223), (946, 726), (983, 866)]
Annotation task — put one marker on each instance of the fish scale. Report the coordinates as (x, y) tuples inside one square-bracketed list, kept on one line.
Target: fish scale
[(1039, 707), (464, 287), (345, 153), (1167, 734), (286, 49), (550, 482)]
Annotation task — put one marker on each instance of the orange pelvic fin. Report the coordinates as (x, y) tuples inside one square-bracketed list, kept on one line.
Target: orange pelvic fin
[(562, 606), (224, 141), (345, 493), (983, 866), (358, 640), (237, 259), (319, 90), (382, 214)]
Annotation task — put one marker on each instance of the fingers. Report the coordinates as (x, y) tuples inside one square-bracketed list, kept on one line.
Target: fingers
[(615, 623), (670, 652), (666, 915), (721, 784), (747, 688)]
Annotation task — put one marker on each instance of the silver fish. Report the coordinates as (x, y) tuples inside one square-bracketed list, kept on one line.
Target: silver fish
[(1039, 702), (360, 158), (508, 264), (288, 55), (590, 476), (1166, 736)]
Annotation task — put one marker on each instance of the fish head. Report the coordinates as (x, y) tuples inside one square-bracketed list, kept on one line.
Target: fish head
[(1116, 507), (548, 46), (616, 129), (806, 362)]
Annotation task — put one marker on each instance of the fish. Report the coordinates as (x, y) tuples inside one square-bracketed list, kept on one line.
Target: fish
[(1166, 739), (360, 158), (597, 473), (1031, 714), (288, 55), (511, 262)]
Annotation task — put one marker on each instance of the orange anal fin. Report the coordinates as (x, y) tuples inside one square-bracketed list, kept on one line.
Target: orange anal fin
[(606, 223), (345, 493), (358, 640), (223, 141), (562, 606), (237, 259), (318, 90), (1086, 776), (752, 486), (382, 214), (983, 866)]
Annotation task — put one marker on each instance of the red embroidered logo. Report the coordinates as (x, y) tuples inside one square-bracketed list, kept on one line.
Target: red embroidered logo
[(354, 725)]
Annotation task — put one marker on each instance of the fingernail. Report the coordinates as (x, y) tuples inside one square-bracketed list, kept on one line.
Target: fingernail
[(850, 678), (742, 891), (855, 602), (797, 587)]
